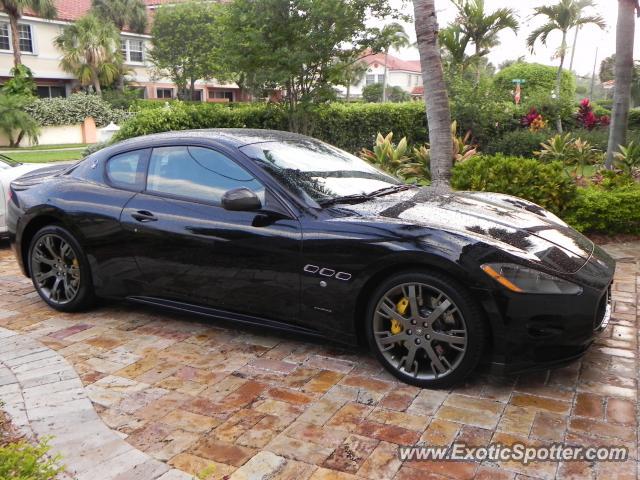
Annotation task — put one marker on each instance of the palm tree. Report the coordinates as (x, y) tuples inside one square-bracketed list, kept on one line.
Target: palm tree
[(91, 51), (563, 16), (15, 122), (454, 43), (391, 36), (435, 93), (14, 9), (482, 27), (123, 13), (625, 34), (349, 70)]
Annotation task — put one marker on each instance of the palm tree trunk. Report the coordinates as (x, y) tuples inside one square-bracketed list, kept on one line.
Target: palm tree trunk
[(477, 64), (15, 40), (435, 93), (96, 85), (348, 90), (384, 80), (563, 51), (625, 34)]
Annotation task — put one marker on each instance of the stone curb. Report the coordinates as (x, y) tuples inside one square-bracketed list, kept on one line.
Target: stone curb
[(44, 397)]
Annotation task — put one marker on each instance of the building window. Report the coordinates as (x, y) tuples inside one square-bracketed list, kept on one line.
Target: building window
[(381, 78), (371, 79), (132, 50), (45, 91), (164, 92), (196, 95), (220, 95), (5, 43), (26, 39)]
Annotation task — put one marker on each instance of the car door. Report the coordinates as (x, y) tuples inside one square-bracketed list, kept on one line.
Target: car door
[(188, 247)]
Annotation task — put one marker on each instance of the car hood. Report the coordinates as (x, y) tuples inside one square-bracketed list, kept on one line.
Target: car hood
[(515, 224)]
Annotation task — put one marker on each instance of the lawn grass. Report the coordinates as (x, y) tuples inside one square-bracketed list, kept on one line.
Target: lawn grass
[(44, 147), (35, 156)]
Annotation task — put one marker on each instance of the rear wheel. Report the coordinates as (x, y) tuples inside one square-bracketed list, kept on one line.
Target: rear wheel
[(425, 329), (59, 270)]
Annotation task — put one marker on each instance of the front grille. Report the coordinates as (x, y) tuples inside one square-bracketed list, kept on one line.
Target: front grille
[(603, 314)]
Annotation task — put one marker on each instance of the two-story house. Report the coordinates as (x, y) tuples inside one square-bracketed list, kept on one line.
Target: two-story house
[(40, 54), (405, 74)]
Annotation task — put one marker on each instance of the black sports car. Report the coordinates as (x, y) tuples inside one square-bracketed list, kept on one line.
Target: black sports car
[(276, 229)]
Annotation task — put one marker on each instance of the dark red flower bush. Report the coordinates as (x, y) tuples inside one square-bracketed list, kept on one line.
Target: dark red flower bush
[(587, 117)]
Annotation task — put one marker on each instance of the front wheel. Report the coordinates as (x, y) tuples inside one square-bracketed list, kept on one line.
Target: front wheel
[(425, 329), (59, 270)]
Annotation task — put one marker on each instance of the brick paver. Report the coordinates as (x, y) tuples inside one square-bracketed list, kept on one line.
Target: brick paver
[(216, 400)]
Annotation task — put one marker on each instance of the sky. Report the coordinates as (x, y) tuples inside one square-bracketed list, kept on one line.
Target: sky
[(513, 46)]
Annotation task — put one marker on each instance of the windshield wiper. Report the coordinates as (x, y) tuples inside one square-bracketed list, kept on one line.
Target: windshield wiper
[(363, 197)]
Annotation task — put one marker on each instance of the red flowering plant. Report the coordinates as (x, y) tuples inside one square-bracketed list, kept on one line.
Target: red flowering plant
[(534, 120), (588, 118)]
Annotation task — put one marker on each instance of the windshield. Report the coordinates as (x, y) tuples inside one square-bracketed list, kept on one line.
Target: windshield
[(6, 162), (317, 171)]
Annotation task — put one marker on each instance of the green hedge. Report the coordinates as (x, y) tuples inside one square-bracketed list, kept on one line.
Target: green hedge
[(74, 109), (542, 183), (540, 81), (518, 143), (348, 126), (605, 211), (634, 119)]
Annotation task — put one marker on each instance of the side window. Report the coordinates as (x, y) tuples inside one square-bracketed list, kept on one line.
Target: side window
[(125, 170), (198, 173)]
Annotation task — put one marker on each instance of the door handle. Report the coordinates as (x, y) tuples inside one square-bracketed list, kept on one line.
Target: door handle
[(144, 216)]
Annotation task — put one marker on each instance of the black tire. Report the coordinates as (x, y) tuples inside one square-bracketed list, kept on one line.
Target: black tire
[(464, 312), (79, 274)]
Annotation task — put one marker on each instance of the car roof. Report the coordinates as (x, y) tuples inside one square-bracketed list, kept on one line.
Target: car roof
[(231, 137)]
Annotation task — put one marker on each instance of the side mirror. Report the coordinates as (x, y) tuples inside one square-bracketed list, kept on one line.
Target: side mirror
[(241, 200)]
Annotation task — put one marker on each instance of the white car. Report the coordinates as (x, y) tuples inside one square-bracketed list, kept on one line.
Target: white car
[(9, 171)]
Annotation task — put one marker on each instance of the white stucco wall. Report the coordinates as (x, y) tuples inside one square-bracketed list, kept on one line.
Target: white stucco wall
[(51, 136)]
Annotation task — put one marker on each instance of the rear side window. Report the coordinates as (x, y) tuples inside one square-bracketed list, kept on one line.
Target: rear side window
[(197, 173), (126, 169)]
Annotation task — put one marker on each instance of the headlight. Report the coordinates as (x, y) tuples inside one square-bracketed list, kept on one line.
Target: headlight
[(527, 280)]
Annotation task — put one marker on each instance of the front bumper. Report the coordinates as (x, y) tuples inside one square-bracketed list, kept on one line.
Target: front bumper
[(533, 332)]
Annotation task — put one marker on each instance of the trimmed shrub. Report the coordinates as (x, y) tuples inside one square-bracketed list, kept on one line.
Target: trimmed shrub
[(354, 126), (542, 183), (348, 126), (606, 211), (518, 143), (22, 461), (73, 110), (540, 81), (181, 116)]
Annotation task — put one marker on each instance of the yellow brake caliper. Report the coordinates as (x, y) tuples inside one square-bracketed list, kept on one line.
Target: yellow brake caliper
[(401, 308)]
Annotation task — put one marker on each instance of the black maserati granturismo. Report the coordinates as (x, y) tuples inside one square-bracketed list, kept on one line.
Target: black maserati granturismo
[(283, 231)]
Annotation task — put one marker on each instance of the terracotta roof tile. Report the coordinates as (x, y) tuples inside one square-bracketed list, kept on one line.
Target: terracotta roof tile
[(394, 63)]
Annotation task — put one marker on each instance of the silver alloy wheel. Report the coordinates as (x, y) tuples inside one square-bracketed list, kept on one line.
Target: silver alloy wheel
[(55, 269), (428, 338)]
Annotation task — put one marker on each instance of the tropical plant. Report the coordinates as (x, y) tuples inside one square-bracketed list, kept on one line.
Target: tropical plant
[(15, 9), (436, 97), (15, 122), (397, 94), (130, 14), (390, 36), (20, 83), (385, 154), (628, 158), (481, 27), (418, 171), (557, 148), (563, 16), (462, 149), (583, 154), (625, 33), (91, 51)]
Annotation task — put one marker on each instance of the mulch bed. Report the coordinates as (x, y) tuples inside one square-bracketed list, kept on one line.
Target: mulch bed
[(602, 239)]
